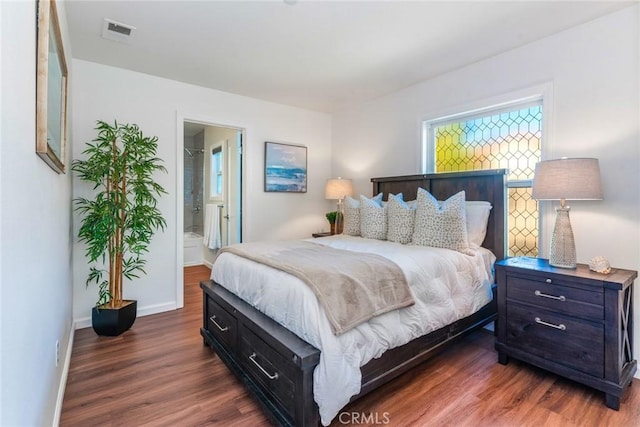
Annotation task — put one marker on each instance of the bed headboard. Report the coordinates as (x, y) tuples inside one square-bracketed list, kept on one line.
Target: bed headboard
[(489, 185)]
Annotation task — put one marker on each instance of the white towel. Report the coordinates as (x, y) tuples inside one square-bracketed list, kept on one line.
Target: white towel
[(212, 227)]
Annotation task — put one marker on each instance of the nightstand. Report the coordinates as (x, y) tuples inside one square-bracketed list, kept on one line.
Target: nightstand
[(323, 234), (575, 323)]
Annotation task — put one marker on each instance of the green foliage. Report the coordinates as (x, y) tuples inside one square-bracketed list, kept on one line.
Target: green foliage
[(120, 220), (332, 217)]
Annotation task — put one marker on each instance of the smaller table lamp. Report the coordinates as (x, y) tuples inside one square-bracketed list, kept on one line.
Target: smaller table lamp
[(337, 189), (565, 179)]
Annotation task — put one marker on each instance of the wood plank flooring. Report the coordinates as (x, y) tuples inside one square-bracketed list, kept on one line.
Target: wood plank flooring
[(160, 374)]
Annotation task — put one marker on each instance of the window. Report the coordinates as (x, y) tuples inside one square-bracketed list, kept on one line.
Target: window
[(216, 173), (498, 138)]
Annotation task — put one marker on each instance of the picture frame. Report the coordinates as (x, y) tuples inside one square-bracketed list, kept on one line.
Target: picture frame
[(51, 88), (285, 168)]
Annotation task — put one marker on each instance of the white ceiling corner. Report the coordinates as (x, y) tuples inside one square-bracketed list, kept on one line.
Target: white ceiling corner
[(318, 55)]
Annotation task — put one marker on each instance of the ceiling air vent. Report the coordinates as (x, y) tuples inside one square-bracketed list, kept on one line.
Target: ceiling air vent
[(117, 31)]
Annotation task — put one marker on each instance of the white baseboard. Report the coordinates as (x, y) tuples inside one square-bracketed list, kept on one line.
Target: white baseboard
[(63, 379), (192, 264), (157, 308), (82, 323), (85, 322)]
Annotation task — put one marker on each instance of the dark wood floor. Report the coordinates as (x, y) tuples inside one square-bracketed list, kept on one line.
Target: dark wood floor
[(160, 374)]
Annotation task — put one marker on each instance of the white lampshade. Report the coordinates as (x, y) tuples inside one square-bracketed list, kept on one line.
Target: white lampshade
[(568, 179), (338, 188), (565, 179)]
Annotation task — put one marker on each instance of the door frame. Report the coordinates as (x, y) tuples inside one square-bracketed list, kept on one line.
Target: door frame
[(181, 117)]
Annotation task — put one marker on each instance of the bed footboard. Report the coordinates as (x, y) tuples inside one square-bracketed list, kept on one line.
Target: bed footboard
[(274, 364), (277, 367)]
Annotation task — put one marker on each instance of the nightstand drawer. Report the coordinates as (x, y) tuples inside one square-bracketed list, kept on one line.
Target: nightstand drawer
[(222, 324), (576, 344), (568, 300)]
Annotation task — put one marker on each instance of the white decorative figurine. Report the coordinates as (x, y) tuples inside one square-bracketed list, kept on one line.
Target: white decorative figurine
[(600, 264)]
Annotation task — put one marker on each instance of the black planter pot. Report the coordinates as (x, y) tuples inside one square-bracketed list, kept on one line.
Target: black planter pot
[(114, 321)]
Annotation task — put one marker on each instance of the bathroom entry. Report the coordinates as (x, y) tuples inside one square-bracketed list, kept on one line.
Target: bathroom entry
[(212, 190)]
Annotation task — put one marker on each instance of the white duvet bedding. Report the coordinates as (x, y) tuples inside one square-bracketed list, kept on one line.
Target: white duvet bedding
[(446, 286)]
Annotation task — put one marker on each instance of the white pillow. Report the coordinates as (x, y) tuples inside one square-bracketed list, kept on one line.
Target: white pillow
[(352, 215), (373, 218), (477, 220), (400, 219), (441, 225)]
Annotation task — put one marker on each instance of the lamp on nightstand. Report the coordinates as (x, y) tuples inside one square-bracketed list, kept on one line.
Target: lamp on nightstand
[(565, 179), (337, 189)]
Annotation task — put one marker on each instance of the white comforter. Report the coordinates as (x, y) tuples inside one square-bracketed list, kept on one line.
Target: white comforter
[(446, 286)]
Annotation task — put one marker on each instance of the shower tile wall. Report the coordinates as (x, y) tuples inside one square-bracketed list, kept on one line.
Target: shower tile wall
[(193, 183)]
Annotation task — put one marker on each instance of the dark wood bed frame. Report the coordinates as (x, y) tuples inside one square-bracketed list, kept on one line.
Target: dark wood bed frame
[(277, 366)]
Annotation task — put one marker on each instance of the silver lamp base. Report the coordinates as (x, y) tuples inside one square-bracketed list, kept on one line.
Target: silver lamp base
[(563, 249)]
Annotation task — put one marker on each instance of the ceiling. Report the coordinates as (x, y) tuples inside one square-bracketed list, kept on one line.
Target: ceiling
[(318, 55)]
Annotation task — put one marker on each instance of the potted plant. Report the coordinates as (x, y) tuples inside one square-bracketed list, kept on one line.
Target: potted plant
[(332, 218), (120, 219)]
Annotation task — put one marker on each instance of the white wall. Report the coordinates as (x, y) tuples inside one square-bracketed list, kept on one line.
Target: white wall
[(1, 207), (35, 225), (593, 71), (156, 105)]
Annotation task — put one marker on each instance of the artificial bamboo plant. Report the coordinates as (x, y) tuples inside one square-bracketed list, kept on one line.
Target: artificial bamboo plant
[(119, 221)]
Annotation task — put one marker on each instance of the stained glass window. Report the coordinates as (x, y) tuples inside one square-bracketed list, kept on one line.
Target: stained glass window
[(502, 139)]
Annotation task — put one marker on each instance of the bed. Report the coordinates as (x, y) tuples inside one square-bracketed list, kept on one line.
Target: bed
[(277, 366)]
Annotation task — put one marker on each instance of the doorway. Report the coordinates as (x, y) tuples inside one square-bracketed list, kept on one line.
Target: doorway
[(212, 197)]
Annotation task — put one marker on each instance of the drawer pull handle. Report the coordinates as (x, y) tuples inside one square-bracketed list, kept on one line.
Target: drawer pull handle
[(540, 294), (264, 371), (551, 325), (213, 319), (548, 280)]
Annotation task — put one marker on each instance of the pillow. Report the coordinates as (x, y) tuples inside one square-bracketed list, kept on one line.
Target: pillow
[(400, 219), (477, 219), (373, 218), (351, 225), (352, 215), (441, 225)]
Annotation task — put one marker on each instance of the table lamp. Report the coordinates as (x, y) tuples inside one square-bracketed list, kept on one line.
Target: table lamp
[(337, 189), (565, 179)]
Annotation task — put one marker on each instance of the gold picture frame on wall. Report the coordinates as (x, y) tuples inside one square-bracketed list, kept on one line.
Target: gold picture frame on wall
[(51, 88)]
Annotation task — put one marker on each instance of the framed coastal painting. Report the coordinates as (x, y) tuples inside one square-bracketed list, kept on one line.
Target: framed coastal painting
[(285, 168), (51, 88)]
